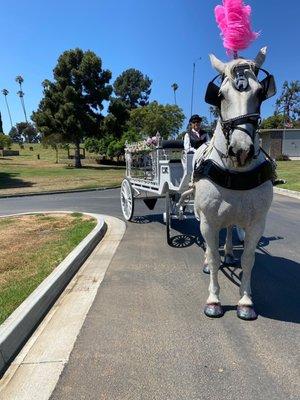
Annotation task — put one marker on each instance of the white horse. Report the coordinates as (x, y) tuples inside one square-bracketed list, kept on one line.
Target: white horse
[(235, 148)]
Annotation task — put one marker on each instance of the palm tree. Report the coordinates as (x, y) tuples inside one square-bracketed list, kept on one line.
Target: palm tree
[(174, 87), (5, 92), (20, 93)]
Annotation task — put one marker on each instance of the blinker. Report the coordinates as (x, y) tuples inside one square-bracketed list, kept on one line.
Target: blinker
[(268, 86), (213, 97)]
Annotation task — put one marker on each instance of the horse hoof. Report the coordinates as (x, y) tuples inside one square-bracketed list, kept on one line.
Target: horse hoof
[(229, 260), (206, 269), (214, 310), (246, 313)]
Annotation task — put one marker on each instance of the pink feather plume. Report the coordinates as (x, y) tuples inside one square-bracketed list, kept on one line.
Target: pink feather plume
[(233, 19)]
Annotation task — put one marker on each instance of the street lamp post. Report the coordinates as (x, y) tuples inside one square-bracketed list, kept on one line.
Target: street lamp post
[(193, 84)]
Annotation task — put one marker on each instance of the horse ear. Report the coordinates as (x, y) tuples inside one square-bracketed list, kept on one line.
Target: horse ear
[(217, 64), (261, 56)]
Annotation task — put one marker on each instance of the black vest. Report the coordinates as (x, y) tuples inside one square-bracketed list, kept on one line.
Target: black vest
[(195, 141)]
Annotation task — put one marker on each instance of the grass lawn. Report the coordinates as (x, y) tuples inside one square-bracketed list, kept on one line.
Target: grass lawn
[(289, 170), (46, 154), (31, 247), (25, 173)]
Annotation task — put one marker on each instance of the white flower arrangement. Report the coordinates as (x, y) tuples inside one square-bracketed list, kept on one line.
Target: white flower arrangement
[(143, 146)]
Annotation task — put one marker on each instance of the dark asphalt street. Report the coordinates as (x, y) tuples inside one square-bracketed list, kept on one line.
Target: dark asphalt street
[(146, 336)]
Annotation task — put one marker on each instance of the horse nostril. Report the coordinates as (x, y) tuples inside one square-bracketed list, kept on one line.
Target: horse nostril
[(231, 152)]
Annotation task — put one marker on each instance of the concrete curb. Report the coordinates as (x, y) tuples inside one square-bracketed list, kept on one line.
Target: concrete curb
[(34, 373), (6, 196), (18, 327), (287, 192)]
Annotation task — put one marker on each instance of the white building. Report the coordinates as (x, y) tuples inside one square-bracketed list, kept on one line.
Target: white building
[(281, 141)]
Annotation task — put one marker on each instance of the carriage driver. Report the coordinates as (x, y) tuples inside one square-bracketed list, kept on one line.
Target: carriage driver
[(195, 136)]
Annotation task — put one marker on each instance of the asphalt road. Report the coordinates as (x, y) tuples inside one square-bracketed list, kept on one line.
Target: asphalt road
[(146, 336)]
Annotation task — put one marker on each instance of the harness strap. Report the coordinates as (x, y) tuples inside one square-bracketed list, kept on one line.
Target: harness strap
[(234, 180), (230, 124), (242, 119)]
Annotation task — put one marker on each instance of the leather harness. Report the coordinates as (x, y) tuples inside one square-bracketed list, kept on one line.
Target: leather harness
[(237, 180), (234, 180)]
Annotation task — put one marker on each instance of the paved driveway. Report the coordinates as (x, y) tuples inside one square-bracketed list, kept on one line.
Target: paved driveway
[(146, 337)]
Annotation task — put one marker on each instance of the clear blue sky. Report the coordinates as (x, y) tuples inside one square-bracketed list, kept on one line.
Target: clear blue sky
[(161, 38)]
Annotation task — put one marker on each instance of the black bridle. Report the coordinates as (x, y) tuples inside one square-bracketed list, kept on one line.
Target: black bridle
[(229, 125), (213, 97)]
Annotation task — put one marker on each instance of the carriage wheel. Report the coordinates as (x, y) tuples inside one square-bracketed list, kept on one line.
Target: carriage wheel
[(240, 233), (127, 199), (168, 216)]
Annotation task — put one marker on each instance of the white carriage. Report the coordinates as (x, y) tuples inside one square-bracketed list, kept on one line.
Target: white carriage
[(161, 170), (158, 171)]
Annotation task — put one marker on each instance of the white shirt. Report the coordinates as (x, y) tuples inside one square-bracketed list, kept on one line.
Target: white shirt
[(187, 142)]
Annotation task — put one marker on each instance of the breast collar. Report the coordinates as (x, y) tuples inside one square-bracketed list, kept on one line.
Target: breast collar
[(234, 180)]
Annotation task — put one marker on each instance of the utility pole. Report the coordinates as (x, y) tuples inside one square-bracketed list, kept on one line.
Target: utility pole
[(193, 84)]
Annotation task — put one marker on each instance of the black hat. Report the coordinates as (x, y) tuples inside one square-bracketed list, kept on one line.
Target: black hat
[(195, 118)]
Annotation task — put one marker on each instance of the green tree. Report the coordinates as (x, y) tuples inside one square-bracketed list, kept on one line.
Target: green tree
[(116, 121), (15, 136), (273, 122), (288, 103), (165, 119), (28, 132), (133, 88), (20, 80), (214, 114), (72, 103), (55, 141), (5, 141), (92, 145), (111, 146), (5, 92), (174, 87)]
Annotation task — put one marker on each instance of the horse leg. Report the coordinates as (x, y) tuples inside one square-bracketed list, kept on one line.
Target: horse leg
[(213, 306), (228, 248), (245, 309), (206, 268)]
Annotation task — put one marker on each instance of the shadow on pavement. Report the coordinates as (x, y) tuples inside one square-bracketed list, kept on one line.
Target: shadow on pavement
[(276, 288), (142, 220), (275, 280)]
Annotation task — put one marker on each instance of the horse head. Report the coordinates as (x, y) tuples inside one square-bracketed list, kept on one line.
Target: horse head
[(239, 100)]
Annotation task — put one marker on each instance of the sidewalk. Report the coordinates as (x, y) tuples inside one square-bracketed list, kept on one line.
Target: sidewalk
[(36, 370)]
